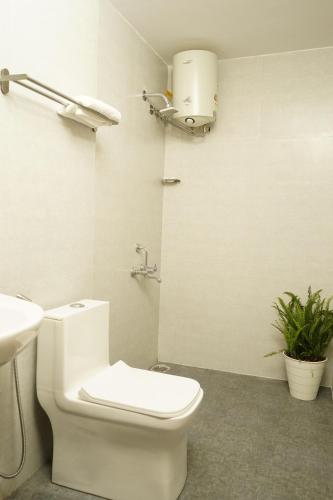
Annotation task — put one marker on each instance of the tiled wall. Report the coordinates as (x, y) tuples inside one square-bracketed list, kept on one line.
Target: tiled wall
[(252, 215), (54, 174), (46, 190), (129, 166)]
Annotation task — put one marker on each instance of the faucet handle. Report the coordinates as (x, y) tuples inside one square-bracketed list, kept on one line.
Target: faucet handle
[(153, 277)]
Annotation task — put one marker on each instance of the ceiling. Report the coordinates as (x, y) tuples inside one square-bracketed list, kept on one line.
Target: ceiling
[(231, 28)]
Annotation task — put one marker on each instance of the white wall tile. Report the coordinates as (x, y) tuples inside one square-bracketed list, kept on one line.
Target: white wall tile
[(128, 189), (53, 176), (251, 217), (46, 190)]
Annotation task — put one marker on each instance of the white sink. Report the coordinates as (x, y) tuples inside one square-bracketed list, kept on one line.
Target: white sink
[(19, 322)]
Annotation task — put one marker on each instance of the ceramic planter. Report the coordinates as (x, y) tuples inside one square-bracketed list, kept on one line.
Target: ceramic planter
[(304, 377)]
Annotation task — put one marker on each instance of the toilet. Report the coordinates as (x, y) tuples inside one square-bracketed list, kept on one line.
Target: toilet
[(118, 432)]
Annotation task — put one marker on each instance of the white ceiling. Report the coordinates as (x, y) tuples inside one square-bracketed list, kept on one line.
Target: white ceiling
[(232, 28)]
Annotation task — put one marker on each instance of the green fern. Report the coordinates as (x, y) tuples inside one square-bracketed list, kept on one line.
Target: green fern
[(307, 328)]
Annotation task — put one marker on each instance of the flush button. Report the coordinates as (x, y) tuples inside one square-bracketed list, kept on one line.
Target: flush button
[(189, 120), (77, 305)]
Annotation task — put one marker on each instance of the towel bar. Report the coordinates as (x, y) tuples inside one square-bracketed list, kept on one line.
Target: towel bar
[(6, 77)]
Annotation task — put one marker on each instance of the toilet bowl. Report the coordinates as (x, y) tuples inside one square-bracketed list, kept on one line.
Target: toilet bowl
[(118, 432)]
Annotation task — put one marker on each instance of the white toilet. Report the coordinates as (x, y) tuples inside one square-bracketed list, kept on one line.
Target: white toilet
[(118, 432)]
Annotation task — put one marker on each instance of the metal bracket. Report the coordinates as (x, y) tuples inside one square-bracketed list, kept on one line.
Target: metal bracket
[(6, 77), (4, 84), (170, 180), (193, 131)]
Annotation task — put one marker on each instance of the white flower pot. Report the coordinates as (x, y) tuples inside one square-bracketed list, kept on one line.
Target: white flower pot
[(304, 377)]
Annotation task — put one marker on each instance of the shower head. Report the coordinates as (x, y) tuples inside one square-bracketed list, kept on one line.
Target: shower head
[(167, 112)]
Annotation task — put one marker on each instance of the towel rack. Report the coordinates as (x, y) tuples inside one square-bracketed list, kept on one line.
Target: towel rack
[(6, 77)]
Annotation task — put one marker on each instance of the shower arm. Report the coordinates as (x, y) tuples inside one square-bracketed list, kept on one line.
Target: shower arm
[(147, 95), (198, 132)]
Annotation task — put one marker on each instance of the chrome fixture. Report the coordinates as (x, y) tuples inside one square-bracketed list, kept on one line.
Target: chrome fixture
[(19, 328), (160, 367), (14, 474), (6, 78), (23, 297), (170, 180), (144, 269), (166, 114)]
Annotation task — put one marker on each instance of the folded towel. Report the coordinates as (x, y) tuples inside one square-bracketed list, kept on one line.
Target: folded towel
[(98, 114), (101, 107), (84, 116)]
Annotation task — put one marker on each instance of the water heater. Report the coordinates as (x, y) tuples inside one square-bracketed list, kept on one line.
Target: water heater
[(194, 87)]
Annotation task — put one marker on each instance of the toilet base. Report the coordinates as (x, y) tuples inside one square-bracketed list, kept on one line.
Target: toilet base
[(119, 462)]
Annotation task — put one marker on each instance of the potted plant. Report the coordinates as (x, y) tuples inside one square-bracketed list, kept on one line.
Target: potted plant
[(307, 329)]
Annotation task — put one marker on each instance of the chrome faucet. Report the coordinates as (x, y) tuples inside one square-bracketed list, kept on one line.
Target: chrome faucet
[(144, 269), (152, 277)]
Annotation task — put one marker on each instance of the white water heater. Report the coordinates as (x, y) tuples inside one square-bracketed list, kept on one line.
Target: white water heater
[(194, 87)]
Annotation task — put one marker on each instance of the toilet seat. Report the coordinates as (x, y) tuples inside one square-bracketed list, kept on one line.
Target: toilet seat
[(142, 391)]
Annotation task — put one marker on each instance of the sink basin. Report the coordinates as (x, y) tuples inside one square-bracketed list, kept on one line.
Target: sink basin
[(19, 322)]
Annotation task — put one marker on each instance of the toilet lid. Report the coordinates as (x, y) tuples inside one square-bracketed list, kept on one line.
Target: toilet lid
[(151, 393)]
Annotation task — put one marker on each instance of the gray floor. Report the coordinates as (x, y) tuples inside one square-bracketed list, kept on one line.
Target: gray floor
[(250, 441)]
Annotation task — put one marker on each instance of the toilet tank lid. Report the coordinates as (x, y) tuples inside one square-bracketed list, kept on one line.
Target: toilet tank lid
[(62, 312)]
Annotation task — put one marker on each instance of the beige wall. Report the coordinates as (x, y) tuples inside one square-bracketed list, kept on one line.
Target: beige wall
[(129, 166), (253, 214), (51, 182), (46, 189)]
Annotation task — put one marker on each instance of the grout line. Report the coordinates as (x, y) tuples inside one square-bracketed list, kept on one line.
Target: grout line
[(270, 54), (138, 34)]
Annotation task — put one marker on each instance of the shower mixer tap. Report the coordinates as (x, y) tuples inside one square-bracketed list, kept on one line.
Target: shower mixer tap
[(144, 269)]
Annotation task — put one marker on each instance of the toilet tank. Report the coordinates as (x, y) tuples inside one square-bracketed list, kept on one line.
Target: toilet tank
[(73, 344)]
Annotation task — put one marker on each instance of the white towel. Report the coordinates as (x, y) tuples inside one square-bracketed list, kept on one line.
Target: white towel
[(107, 114), (101, 107)]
